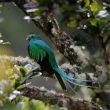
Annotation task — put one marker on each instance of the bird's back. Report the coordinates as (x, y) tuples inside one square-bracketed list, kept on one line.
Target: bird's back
[(42, 48), (43, 54)]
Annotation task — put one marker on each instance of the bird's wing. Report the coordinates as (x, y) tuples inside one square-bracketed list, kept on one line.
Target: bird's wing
[(36, 52), (38, 49)]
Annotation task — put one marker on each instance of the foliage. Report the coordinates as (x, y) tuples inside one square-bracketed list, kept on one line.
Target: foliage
[(87, 21), (10, 86), (10, 95)]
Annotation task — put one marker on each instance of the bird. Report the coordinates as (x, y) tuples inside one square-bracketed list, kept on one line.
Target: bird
[(44, 56)]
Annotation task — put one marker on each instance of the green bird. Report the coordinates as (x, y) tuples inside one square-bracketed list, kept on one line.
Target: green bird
[(44, 56)]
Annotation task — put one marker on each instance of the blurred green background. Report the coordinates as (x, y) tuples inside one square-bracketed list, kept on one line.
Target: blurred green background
[(15, 28)]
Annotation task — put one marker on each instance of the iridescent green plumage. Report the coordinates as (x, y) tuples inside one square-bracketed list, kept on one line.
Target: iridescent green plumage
[(43, 54)]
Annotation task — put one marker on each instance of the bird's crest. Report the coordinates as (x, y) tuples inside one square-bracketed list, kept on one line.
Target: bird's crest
[(33, 36)]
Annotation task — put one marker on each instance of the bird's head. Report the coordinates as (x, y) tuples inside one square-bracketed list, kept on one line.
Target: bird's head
[(33, 37)]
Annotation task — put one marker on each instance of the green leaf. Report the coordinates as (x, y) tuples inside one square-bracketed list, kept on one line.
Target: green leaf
[(23, 71), (72, 23), (93, 22), (87, 3), (7, 105), (20, 87), (38, 13), (95, 7), (25, 104), (38, 105)]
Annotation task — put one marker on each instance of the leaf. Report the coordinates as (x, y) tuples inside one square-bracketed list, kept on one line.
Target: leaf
[(93, 22), (38, 13), (23, 71), (72, 23), (20, 87), (38, 105), (87, 3), (25, 104), (95, 7), (7, 105)]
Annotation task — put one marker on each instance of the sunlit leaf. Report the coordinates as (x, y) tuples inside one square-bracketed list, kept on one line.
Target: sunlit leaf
[(95, 7), (20, 87), (87, 3), (38, 105), (25, 104)]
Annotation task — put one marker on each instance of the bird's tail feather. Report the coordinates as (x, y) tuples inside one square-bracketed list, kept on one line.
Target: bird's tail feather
[(70, 86), (71, 80), (79, 84), (69, 77), (60, 80)]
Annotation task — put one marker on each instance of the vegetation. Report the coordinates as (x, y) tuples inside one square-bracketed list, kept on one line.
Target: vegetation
[(80, 31)]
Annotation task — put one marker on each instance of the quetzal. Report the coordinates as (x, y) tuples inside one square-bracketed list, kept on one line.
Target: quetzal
[(44, 56)]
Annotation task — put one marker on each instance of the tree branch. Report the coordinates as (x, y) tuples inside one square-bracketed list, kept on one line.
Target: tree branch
[(49, 96), (35, 68), (49, 25), (52, 97)]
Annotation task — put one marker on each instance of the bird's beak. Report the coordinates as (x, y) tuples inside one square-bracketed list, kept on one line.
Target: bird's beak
[(26, 38)]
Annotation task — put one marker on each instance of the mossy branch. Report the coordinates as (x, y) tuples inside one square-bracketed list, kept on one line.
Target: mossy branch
[(49, 96), (53, 97)]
